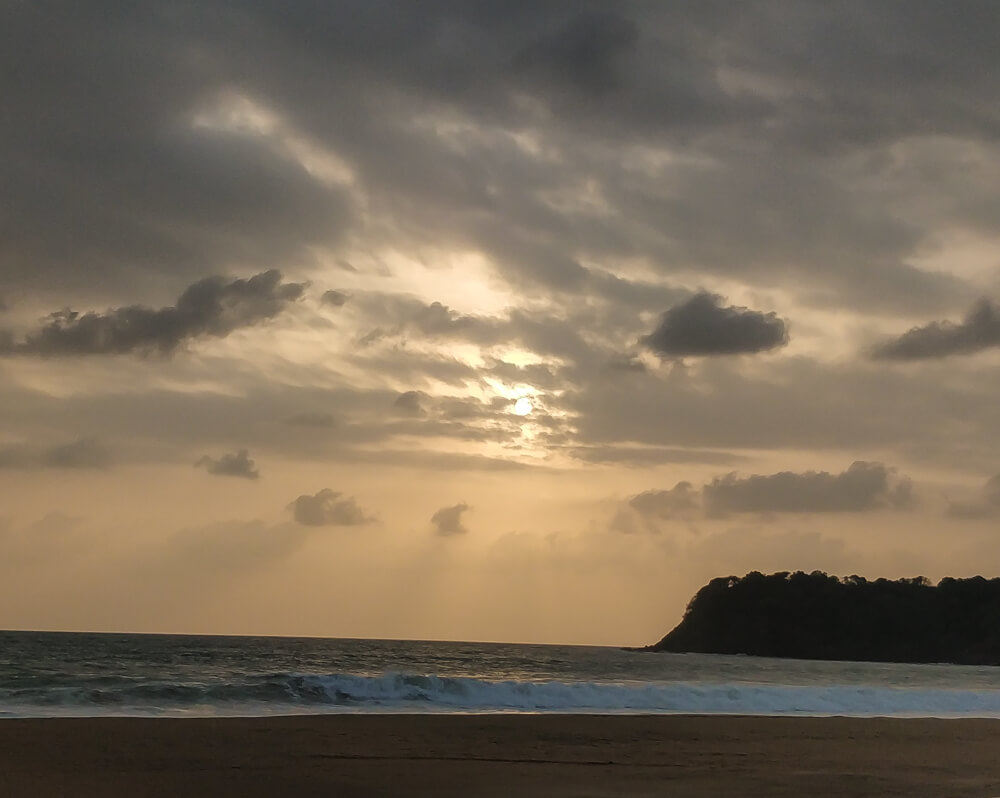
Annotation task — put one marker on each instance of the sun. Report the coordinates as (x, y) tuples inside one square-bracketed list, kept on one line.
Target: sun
[(523, 406)]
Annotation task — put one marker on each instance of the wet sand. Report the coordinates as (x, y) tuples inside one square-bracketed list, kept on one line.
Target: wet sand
[(512, 755)]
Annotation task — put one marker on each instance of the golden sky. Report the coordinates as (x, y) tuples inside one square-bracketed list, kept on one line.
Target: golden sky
[(489, 321)]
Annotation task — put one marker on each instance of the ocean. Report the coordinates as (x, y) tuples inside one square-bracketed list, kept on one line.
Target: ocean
[(56, 674)]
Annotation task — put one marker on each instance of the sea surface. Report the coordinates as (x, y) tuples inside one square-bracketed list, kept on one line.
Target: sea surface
[(45, 674)]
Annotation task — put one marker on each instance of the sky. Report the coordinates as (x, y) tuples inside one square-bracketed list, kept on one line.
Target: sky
[(490, 320)]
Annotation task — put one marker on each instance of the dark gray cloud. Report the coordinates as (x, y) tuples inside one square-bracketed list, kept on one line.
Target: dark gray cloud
[(979, 330), (448, 520), (212, 307), (82, 453), (786, 169), (702, 326), (585, 51), (328, 508), (335, 298), (863, 486), (238, 464), (140, 189)]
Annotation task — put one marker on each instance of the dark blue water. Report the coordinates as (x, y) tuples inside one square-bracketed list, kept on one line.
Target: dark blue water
[(47, 674)]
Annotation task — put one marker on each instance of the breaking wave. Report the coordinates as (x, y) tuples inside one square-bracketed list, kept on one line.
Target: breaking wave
[(286, 693)]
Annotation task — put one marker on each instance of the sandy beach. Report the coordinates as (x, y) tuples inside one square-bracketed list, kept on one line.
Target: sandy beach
[(525, 755)]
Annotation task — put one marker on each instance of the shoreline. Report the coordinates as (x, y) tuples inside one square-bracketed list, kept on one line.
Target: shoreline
[(487, 713), (498, 755)]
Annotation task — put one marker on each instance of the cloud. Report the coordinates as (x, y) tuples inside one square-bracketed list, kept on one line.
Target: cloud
[(437, 319), (448, 520), (410, 403), (979, 330), (666, 504), (781, 175), (211, 307), (646, 511), (230, 465), (583, 52), (645, 456), (84, 453), (701, 326), (316, 418), (986, 505), (578, 166), (335, 298), (863, 486), (181, 191), (794, 402), (327, 508), (550, 332)]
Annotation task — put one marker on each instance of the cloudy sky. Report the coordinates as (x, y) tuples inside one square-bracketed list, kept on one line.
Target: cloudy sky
[(490, 320)]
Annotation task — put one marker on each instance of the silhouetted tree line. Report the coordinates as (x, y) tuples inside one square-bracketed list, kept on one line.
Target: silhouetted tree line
[(816, 616)]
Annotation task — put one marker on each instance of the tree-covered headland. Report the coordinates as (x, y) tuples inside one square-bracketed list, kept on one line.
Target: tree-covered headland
[(817, 616)]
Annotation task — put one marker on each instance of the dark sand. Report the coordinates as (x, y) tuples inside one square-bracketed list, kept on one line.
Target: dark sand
[(519, 756)]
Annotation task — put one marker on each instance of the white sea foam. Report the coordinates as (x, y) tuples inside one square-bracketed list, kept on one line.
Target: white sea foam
[(281, 693), (481, 695)]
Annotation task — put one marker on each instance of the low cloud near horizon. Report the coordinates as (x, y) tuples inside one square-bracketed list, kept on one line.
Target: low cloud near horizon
[(862, 487), (328, 508), (448, 520), (237, 464)]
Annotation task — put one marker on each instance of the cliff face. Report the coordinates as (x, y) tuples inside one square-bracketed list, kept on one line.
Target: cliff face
[(816, 616)]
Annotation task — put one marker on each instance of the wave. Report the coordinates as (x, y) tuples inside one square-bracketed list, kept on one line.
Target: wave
[(280, 693)]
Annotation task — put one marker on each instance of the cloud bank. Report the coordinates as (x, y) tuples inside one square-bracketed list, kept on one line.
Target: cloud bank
[(863, 486)]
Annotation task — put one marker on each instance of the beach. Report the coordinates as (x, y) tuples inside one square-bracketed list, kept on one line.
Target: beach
[(498, 755)]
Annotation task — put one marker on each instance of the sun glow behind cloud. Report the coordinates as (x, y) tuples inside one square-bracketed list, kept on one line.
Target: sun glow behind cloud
[(522, 406)]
